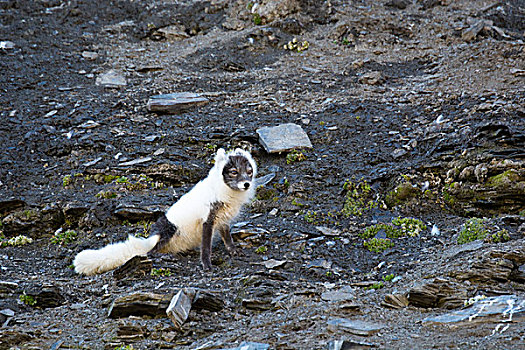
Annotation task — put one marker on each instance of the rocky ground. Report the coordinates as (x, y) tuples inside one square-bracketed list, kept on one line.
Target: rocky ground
[(402, 227)]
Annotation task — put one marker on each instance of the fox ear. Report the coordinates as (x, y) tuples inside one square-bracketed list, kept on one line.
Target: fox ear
[(220, 156)]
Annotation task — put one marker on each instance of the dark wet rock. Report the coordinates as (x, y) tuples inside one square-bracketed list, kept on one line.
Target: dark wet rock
[(99, 214), (10, 338), (504, 308), (140, 304), (356, 327), (180, 306), (174, 174), (205, 300), (257, 304), (398, 4), (33, 221), (45, 295), (111, 79), (7, 288), (10, 205), (175, 102), (395, 301), (74, 211), (131, 333), (438, 293), (134, 214), (137, 267), (486, 270), (284, 137), (346, 344)]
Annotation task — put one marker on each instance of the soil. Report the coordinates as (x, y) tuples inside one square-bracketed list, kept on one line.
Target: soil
[(390, 93)]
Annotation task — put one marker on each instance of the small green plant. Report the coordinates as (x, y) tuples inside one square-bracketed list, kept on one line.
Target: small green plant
[(257, 20), (377, 285), (146, 226), (408, 227), (378, 245), (358, 198), (66, 180), (122, 180), (297, 203), (499, 237), (295, 156), (161, 272), (472, 230), (106, 194), (64, 237), (125, 347), (388, 278), (261, 250), (28, 299), (15, 241), (295, 45)]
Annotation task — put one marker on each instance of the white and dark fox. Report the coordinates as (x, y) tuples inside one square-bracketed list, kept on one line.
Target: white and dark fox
[(208, 208)]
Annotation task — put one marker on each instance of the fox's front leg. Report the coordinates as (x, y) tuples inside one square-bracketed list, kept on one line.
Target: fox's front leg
[(226, 236), (207, 231)]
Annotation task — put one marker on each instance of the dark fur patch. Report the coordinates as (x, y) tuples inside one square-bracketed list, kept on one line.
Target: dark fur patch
[(244, 171), (165, 229)]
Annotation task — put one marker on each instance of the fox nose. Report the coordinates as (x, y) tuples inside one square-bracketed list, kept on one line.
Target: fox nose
[(246, 185)]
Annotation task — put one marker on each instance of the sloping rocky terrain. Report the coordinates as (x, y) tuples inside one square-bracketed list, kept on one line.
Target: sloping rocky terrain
[(403, 227)]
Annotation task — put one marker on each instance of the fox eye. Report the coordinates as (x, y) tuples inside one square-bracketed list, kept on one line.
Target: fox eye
[(233, 171), (249, 172)]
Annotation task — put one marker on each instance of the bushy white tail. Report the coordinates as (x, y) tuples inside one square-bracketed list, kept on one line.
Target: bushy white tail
[(90, 262)]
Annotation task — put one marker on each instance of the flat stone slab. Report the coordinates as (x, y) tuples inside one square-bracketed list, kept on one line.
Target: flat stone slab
[(356, 327), (503, 308), (176, 102), (283, 138), (111, 79)]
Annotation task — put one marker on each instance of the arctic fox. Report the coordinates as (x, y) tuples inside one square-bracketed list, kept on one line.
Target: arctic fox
[(209, 207)]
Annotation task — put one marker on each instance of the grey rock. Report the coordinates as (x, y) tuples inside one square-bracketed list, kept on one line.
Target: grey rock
[(90, 55), (372, 78), (136, 161), (111, 79), (180, 306), (257, 304), (503, 308), (272, 263), (356, 327), (176, 102), (319, 263), (7, 288), (7, 45), (246, 345), (468, 247), (284, 137), (343, 294), (93, 162), (264, 180), (140, 304), (328, 231), (173, 32), (345, 344), (395, 301), (438, 293)]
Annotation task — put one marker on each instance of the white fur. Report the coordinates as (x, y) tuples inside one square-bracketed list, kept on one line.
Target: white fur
[(188, 214)]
